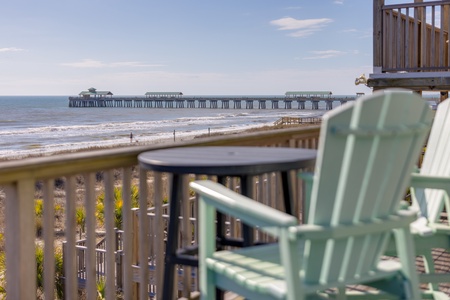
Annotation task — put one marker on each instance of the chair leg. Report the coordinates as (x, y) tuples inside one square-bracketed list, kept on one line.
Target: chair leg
[(220, 295), (405, 248), (429, 269), (341, 294)]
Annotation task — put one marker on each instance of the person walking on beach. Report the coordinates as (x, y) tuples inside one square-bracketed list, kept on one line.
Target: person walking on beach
[(131, 137)]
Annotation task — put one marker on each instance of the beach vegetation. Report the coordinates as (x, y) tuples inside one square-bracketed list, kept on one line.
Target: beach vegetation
[(80, 217), (39, 207), (59, 287), (118, 204), (59, 211), (39, 211), (39, 226), (101, 289)]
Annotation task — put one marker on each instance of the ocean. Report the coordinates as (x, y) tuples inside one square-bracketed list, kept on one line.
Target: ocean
[(36, 125)]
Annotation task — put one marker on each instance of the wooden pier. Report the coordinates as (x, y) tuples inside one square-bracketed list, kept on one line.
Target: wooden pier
[(294, 120), (213, 102)]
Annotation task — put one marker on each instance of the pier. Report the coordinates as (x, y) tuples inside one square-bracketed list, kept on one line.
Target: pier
[(289, 101)]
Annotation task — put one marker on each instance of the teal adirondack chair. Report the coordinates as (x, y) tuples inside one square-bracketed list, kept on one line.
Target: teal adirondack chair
[(430, 194), (367, 151)]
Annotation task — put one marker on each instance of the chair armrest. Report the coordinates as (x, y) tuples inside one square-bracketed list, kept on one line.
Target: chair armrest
[(317, 232), (421, 228), (404, 205), (248, 210), (430, 182)]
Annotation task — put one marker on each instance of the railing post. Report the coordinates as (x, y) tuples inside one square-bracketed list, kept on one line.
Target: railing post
[(377, 35), (20, 235), (49, 239), (110, 235), (91, 287), (446, 26), (70, 266), (127, 240), (119, 269), (143, 250), (134, 249)]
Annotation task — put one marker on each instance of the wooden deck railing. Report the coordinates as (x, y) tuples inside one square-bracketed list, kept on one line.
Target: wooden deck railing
[(118, 167), (411, 37)]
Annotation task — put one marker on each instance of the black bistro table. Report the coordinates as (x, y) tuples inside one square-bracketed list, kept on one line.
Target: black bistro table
[(223, 162)]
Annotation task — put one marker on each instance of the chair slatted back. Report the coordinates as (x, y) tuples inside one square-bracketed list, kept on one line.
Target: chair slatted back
[(436, 162), (364, 150)]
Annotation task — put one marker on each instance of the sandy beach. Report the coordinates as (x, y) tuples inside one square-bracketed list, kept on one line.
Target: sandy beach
[(137, 142)]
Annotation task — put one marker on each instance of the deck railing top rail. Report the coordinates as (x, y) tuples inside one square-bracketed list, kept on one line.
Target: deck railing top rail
[(91, 161)]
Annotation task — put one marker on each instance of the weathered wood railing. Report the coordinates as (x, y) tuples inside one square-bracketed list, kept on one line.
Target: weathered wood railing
[(18, 181), (411, 37)]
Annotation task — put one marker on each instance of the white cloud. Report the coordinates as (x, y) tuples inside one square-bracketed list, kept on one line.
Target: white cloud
[(11, 49), (340, 2), (301, 28), (85, 63), (133, 64), (325, 54), (91, 63)]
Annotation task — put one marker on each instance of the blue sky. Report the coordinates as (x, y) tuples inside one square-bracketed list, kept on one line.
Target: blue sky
[(198, 47)]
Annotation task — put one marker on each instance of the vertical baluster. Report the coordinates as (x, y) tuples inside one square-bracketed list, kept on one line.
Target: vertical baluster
[(432, 51), (447, 27), (70, 270), (399, 39), (49, 239), (390, 55), (441, 38), (90, 202), (159, 232), (110, 235), (143, 233), (127, 237), (424, 40), (406, 46), (20, 235)]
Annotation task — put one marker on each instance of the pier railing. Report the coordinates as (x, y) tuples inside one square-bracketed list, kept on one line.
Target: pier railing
[(74, 180), (411, 37)]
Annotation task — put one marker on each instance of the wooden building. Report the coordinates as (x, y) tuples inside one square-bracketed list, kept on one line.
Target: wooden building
[(163, 94), (310, 94), (93, 93), (411, 46)]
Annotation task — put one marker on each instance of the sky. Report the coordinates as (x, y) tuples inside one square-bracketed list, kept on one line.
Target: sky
[(197, 47)]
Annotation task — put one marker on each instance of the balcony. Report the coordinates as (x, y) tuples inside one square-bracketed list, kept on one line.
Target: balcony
[(410, 46), (102, 253)]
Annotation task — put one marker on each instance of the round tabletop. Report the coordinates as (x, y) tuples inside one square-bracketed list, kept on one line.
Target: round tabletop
[(228, 161)]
